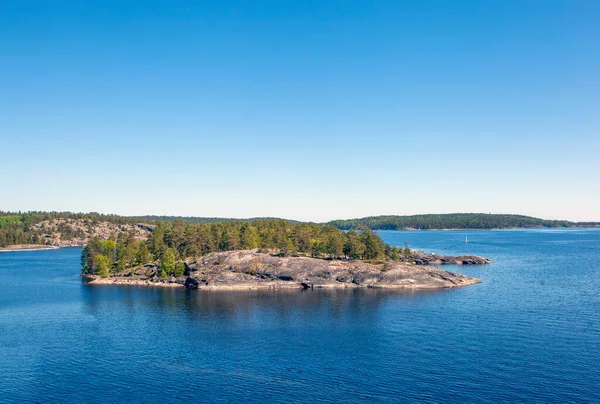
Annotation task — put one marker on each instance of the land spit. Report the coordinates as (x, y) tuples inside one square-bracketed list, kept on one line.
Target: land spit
[(27, 247)]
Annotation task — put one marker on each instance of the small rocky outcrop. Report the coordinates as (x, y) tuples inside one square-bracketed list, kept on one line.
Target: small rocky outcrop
[(434, 259)]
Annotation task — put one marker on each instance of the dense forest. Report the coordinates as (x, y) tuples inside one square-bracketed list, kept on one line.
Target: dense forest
[(452, 221), (170, 243)]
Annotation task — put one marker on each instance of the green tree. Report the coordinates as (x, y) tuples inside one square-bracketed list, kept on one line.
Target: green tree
[(109, 250), (156, 242), (302, 237), (143, 255), (249, 237), (167, 263), (121, 265), (353, 248), (93, 248), (335, 243), (179, 268), (373, 244), (318, 248), (102, 265), (230, 239)]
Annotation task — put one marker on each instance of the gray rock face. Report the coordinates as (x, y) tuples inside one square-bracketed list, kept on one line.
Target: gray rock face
[(250, 269)]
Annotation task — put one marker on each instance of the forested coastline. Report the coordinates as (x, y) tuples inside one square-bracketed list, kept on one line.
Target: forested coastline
[(20, 227), (478, 221)]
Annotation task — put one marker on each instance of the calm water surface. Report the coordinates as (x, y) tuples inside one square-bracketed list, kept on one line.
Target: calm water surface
[(529, 332)]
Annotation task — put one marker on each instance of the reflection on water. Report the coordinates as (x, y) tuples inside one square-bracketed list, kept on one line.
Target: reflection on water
[(239, 308)]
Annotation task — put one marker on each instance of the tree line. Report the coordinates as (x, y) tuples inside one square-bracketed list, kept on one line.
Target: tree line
[(451, 221), (13, 230), (15, 227), (170, 243)]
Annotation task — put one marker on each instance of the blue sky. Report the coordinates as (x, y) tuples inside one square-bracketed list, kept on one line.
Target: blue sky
[(310, 110)]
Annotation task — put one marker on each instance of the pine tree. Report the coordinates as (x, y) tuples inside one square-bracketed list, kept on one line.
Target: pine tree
[(167, 263), (102, 265), (143, 255)]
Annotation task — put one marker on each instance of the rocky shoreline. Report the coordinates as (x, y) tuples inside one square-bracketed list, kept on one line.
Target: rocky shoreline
[(253, 270), (27, 247), (122, 280)]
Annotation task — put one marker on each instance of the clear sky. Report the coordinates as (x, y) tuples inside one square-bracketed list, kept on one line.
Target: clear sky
[(309, 110)]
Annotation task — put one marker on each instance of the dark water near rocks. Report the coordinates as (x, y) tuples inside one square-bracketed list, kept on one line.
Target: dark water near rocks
[(529, 332)]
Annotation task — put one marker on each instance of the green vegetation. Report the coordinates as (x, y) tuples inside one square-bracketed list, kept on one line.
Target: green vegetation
[(16, 227), (179, 268), (170, 243), (452, 221), (102, 265), (5, 220), (167, 263)]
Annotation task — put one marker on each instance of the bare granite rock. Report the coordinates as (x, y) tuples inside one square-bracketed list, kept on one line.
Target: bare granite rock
[(250, 269)]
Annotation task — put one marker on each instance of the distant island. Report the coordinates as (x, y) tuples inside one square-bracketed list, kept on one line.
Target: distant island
[(74, 229), (455, 221)]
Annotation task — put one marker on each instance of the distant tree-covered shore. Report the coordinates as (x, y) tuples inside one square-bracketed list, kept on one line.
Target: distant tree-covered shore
[(19, 227), (454, 221)]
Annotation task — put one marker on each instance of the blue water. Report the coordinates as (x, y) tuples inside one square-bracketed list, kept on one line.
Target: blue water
[(529, 332)]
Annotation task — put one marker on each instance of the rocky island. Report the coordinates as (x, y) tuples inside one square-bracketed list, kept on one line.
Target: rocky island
[(252, 269)]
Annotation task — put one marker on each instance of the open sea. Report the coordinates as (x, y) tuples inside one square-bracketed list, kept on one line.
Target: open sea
[(530, 332)]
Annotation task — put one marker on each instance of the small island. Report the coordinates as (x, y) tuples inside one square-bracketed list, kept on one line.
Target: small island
[(264, 254), (256, 269)]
